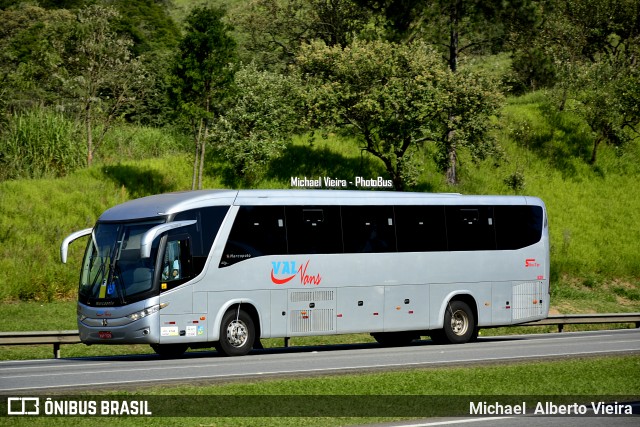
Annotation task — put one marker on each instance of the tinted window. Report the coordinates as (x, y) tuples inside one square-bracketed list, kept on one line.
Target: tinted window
[(518, 226), (470, 228), (256, 231), (368, 229), (202, 233), (313, 229), (421, 228), (176, 266)]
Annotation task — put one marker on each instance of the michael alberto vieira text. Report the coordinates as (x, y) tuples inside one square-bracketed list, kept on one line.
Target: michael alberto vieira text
[(550, 408)]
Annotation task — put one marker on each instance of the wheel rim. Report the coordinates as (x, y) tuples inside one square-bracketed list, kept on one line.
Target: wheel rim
[(459, 322), (237, 333)]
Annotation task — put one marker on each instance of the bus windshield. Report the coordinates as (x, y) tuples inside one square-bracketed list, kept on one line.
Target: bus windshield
[(113, 273)]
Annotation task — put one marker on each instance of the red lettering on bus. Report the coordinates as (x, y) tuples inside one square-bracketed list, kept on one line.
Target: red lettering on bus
[(306, 279)]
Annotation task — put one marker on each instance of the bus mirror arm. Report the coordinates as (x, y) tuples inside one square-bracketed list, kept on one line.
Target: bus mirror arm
[(64, 247), (151, 234)]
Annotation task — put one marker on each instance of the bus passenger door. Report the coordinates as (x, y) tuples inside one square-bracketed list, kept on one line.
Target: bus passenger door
[(177, 323)]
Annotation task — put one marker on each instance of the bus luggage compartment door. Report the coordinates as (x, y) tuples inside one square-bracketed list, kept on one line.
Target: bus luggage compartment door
[(311, 312)]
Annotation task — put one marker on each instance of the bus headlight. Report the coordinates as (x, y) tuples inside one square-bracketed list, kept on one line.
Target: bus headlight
[(146, 312)]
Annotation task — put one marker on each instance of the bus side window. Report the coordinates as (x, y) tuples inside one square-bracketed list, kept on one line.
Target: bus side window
[(368, 229), (421, 228), (256, 231), (313, 230), (202, 233), (518, 226), (470, 228), (176, 263)]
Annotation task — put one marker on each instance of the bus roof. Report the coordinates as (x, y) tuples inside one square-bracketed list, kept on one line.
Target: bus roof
[(169, 203)]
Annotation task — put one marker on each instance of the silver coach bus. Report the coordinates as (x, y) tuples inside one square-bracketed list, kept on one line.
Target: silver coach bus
[(224, 268)]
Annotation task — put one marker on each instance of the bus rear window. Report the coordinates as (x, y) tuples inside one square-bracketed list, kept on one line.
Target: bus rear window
[(518, 226)]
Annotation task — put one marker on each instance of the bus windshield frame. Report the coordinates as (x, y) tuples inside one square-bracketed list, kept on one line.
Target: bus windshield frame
[(113, 271)]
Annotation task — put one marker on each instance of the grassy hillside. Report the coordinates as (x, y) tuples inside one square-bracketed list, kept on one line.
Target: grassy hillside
[(594, 211)]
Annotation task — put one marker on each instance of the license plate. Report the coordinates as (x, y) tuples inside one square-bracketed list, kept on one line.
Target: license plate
[(105, 335)]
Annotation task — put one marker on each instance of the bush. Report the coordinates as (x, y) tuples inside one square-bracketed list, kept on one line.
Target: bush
[(40, 143)]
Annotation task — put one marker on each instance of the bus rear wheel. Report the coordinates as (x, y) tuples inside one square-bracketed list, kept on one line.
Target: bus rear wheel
[(237, 333), (459, 324)]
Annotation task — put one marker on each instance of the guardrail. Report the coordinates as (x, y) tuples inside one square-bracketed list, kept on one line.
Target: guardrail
[(41, 337), (71, 337), (585, 319)]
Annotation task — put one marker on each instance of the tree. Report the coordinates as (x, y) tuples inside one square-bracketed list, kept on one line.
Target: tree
[(464, 120), (100, 73), (607, 82), (609, 103), (395, 98), (273, 30), (31, 40), (201, 77), (148, 24), (256, 126), (455, 28), (593, 46)]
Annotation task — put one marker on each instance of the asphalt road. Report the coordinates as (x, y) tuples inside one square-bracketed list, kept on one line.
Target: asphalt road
[(100, 373)]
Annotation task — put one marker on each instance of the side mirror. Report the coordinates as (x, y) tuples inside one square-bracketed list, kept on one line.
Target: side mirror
[(147, 238), (64, 248)]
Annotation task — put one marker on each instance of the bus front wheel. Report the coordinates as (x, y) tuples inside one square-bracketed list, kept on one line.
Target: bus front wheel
[(459, 324), (237, 333)]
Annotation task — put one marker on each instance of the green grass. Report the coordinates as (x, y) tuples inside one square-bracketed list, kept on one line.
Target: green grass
[(40, 143), (576, 380)]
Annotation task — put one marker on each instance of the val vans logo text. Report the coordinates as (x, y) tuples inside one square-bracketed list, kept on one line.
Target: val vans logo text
[(287, 270)]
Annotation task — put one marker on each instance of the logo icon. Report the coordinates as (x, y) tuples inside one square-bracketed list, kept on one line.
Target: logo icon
[(284, 271), (23, 406), (531, 262)]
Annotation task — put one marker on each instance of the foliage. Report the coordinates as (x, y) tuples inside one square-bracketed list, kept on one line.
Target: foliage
[(456, 27), (36, 215), (272, 31), (148, 24), (31, 40), (609, 103), (40, 143), (100, 74), (396, 98), (155, 36), (588, 49), (532, 70), (257, 126), (575, 145), (201, 77)]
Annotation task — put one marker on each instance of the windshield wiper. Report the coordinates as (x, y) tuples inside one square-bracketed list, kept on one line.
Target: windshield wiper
[(117, 280), (94, 289)]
